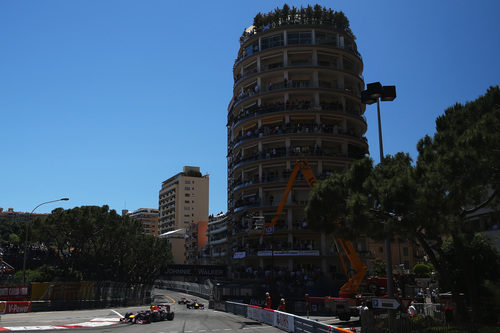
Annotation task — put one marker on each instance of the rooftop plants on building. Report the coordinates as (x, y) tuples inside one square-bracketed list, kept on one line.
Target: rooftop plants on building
[(308, 15)]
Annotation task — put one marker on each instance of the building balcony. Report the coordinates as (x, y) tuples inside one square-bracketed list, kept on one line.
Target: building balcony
[(334, 44), (291, 107), (302, 152), (217, 242), (281, 87), (215, 230), (321, 65), (268, 131)]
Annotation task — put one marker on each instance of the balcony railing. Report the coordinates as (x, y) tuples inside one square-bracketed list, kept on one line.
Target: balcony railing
[(336, 45), (267, 131), (292, 106), (298, 151), (302, 84)]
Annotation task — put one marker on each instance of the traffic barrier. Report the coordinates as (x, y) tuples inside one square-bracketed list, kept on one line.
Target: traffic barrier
[(15, 307)]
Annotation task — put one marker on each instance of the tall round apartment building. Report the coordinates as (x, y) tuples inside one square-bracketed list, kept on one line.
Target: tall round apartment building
[(297, 87)]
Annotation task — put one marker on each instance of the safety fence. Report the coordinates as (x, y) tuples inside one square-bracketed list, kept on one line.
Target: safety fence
[(201, 290), (282, 320), (53, 296)]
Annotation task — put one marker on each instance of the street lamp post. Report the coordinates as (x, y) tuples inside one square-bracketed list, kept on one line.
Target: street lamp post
[(374, 93), (26, 237)]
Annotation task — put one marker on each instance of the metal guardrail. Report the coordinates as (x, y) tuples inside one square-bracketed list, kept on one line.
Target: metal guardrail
[(202, 290), (236, 308), (306, 325)]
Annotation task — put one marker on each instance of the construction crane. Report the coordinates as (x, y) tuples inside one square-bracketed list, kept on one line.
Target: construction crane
[(350, 288)]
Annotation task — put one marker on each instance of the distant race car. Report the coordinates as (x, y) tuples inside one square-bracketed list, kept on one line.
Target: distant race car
[(155, 313), (194, 305), (183, 301)]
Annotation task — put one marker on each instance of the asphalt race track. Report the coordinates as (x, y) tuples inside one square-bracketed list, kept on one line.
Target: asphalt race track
[(186, 320)]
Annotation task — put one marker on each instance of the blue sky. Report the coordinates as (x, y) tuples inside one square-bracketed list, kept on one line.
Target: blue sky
[(101, 101)]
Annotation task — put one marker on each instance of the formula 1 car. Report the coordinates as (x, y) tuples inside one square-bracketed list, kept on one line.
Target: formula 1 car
[(156, 313), (194, 305), (183, 301)]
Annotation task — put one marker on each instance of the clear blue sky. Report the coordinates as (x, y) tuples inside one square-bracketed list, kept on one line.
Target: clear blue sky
[(101, 101)]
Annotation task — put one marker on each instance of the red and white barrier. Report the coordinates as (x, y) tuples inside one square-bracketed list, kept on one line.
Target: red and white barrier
[(15, 307)]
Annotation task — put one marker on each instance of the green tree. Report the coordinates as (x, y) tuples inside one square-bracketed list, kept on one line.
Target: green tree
[(102, 245), (14, 239), (456, 174), (379, 267), (422, 270)]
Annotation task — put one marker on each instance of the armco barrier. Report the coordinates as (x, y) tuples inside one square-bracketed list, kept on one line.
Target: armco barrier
[(282, 320), (200, 290), (15, 307), (237, 308), (263, 315), (306, 325)]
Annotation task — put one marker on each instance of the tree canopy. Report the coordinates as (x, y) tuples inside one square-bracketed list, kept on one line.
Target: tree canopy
[(101, 245), (432, 201), (308, 15)]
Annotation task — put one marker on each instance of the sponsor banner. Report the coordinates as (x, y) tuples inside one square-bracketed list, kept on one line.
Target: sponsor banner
[(196, 270), (253, 312), (263, 315), (288, 253), (15, 307), (7, 293), (284, 321), (239, 255), (267, 316), (297, 253)]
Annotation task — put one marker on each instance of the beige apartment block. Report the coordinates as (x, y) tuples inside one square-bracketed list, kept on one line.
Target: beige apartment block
[(183, 199), (149, 219)]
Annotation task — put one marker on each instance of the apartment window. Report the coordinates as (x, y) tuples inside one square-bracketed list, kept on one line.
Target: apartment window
[(326, 38), (187, 188), (251, 49), (187, 195), (296, 38), (405, 251), (186, 201), (272, 41), (187, 208)]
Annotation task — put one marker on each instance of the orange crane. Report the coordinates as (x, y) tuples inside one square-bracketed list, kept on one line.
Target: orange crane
[(349, 288)]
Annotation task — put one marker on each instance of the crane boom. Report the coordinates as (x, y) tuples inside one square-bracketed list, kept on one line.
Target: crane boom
[(349, 288), (310, 178)]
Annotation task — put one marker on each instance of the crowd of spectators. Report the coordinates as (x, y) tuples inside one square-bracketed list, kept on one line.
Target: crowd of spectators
[(293, 128), (295, 282), (276, 152), (292, 105)]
